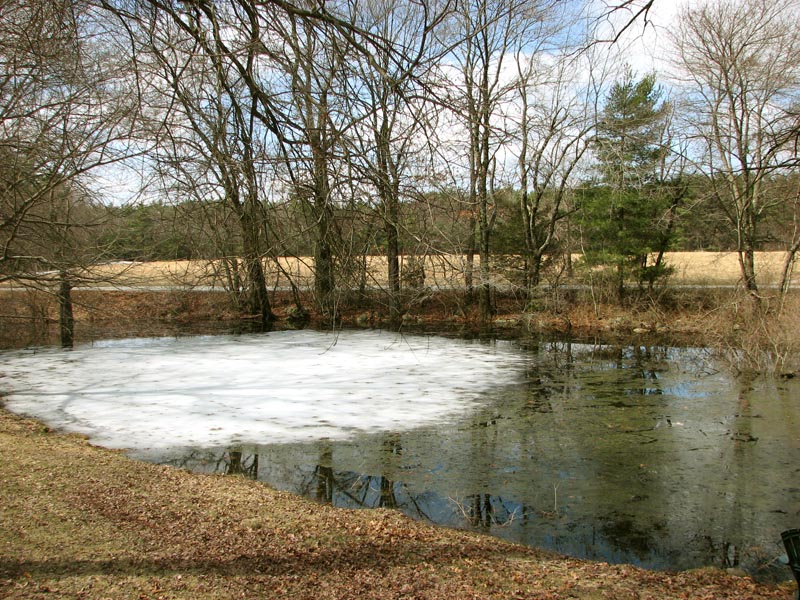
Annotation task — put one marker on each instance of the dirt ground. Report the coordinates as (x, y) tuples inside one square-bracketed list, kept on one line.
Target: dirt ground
[(83, 522)]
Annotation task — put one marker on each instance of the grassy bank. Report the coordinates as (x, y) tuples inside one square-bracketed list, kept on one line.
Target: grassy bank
[(682, 312), (766, 340), (79, 521)]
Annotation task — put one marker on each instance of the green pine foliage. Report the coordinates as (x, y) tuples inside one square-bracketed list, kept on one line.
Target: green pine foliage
[(626, 214)]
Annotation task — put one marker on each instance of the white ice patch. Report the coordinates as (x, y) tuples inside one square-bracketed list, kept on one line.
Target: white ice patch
[(271, 388)]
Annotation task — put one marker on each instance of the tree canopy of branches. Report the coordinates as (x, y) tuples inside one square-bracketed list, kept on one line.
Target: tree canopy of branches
[(741, 66), (345, 129), (64, 113)]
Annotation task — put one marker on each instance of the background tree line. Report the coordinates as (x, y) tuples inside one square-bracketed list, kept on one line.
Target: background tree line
[(477, 129)]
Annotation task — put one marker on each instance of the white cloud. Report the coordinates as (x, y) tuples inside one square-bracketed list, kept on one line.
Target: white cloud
[(645, 44)]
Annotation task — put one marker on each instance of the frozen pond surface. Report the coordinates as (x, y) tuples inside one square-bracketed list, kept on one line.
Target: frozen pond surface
[(647, 455), (272, 388)]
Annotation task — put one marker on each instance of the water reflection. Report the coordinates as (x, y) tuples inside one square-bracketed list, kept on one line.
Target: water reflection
[(643, 455), (239, 464)]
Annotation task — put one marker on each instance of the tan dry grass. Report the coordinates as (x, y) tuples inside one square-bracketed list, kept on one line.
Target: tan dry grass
[(444, 271), (722, 268), (441, 271)]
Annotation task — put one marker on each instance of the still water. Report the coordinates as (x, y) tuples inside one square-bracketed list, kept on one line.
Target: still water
[(654, 456)]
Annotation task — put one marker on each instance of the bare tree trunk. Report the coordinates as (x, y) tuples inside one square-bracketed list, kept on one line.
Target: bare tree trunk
[(469, 269), (788, 267), (324, 278), (793, 249), (485, 295), (393, 259), (258, 298), (387, 180), (66, 319), (531, 271), (747, 264)]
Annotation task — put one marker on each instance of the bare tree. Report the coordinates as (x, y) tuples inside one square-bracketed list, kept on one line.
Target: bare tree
[(289, 62), (64, 113), (741, 67), (389, 92), (312, 59), (211, 147), (558, 95), (492, 31)]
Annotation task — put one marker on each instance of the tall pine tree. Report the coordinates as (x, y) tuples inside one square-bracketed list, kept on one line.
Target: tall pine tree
[(623, 211)]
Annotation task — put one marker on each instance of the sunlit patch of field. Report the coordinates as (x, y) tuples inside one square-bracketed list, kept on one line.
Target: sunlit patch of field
[(722, 268), (440, 271)]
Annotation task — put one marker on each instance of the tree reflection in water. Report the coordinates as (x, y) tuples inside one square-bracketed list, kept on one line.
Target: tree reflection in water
[(239, 464), (322, 483), (229, 462), (358, 490), (634, 454)]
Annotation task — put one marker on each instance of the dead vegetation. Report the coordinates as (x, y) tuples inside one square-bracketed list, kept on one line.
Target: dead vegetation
[(84, 522), (757, 337)]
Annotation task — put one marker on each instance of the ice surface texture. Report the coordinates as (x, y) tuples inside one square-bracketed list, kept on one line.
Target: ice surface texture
[(253, 389)]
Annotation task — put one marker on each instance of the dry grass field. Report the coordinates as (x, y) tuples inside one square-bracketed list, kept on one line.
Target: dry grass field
[(722, 268), (441, 271)]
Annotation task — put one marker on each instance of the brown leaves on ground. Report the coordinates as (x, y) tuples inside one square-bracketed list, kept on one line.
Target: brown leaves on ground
[(83, 522)]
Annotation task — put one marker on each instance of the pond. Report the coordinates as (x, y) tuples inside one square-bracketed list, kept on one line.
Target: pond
[(647, 455)]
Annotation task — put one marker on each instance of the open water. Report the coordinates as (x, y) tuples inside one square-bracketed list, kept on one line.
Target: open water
[(650, 455)]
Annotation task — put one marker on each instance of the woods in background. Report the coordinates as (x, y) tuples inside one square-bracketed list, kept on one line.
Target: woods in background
[(502, 133)]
